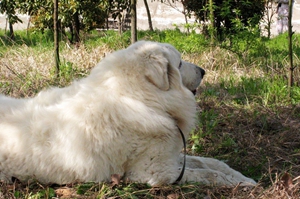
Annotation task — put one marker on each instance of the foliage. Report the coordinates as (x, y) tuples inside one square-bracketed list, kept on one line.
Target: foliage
[(74, 14), (9, 7), (116, 7), (228, 15)]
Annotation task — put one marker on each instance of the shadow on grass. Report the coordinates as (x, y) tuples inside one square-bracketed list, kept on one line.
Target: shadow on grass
[(261, 141)]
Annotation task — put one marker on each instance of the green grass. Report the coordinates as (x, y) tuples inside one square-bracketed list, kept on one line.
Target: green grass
[(183, 42), (246, 116), (30, 38), (267, 91)]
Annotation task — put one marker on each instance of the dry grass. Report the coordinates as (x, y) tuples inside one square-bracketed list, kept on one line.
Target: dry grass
[(263, 142), (25, 70)]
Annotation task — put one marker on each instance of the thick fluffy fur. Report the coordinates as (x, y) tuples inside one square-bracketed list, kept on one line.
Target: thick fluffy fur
[(121, 119)]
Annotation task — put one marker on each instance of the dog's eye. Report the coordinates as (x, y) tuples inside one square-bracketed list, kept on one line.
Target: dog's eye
[(180, 64)]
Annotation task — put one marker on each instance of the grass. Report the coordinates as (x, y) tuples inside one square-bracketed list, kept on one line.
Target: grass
[(246, 117)]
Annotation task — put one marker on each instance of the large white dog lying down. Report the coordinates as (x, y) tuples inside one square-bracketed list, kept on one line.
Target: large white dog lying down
[(121, 119)]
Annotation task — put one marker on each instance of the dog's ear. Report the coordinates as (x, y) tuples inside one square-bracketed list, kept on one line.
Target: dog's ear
[(157, 72)]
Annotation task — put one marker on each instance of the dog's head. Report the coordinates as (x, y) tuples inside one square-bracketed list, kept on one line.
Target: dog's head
[(163, 61)]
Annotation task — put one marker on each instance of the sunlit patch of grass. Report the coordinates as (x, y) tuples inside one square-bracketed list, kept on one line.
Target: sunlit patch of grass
[(267, 91)]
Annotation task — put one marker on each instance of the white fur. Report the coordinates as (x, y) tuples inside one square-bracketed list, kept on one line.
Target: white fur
[(121, 119)]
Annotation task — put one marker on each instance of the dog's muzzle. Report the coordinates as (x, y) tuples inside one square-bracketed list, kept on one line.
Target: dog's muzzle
[(202, 72)]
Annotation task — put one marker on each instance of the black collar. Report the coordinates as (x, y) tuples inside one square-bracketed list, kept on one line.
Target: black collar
[(184, 157)]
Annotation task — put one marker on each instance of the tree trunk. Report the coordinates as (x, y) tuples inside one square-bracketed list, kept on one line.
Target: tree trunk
[(76, 28), (186, 21), (269, 16), (120, 24), (184, 12), (148, 15), (106, 22), (56, 37), (11, 31), (72, 33), (212, 24), (28, 26), (133, 21), (290, 32), (6, 22)]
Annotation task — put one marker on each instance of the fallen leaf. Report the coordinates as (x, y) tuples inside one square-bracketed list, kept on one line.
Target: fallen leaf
[(287, 181), (64, 192), (173, 196), (115, 179)]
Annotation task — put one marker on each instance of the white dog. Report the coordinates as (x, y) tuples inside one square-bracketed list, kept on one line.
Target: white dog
[(124, 118)]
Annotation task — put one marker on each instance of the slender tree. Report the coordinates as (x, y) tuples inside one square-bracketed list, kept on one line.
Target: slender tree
[(9, 8), (212, 23), (290, 33), (76, 27), (56, 37), (183, 10), (133, 21), (148, 15), (269, 14), (11, 30), (186, 15)]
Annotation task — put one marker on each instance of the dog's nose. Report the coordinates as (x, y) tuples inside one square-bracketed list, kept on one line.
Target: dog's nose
[(202, 72)]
